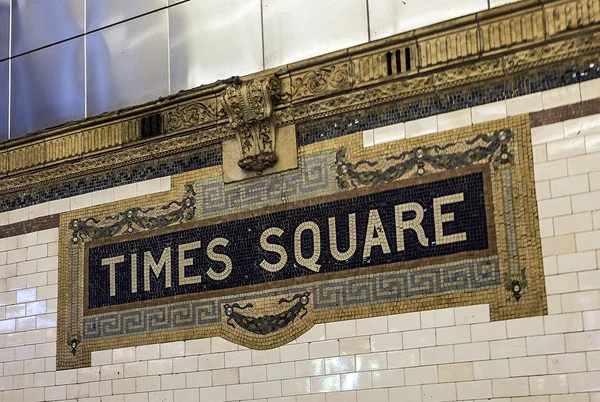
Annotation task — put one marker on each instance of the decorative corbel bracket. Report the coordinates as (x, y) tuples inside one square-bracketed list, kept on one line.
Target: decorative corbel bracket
[(249, 107)]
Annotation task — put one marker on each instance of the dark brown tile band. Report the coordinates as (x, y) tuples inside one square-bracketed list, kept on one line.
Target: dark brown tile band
[(32, 225), (563, 113)]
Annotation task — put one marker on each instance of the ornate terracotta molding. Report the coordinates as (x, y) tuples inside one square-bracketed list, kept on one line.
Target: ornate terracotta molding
[(249, 107), (466, 50)]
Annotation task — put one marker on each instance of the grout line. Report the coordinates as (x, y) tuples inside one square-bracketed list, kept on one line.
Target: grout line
[(168, 53), (97, 29), (85, 75), (262, 34), (369, 21), (10, 24)]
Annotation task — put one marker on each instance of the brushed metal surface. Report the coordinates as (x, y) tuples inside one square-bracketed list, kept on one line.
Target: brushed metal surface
[(4, 28), (3, 100), (127, 64), (389, 17), (211, 40), (299, 29), (100, 13), (47, 88), (37, 23)]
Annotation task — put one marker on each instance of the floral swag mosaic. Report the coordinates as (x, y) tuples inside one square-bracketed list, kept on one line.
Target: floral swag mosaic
[(354, 232)]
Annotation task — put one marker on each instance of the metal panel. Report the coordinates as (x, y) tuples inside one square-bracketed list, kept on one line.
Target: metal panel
[(389, 17), (127, 64), (3, 100), (298, 29), (211, 40), (47, 87), (38, 23), (100, 13), (4, 28)]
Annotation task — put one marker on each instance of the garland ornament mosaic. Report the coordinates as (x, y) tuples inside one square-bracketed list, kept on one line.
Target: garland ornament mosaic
[(422, 160), (268, 323)]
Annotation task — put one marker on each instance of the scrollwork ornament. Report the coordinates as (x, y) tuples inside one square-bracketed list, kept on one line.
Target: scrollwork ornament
[(249, 107)]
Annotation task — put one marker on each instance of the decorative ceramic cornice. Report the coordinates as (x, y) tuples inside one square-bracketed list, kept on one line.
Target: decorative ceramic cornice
[(493, 43)]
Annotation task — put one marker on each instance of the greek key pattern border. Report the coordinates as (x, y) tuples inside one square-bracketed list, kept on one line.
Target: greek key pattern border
[(396, 286)]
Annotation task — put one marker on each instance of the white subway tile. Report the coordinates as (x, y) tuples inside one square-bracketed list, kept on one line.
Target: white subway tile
[(515, 347), (279, 371), (336, 365), (561, 96), (328, 383), (355, 381), (566, 363), (528, 366), (389, 133), (437, 355), (372, 326), (371, 361), (340, 329), (225, 376), (489, 112), (421, 375), (385, 342), (562, 323), (254, 374), (172, 349), (266, 356), (101, 357), (548, 384), (545, 344), (162, 366), (583, 341), (472, 314), (298, 351), (453, 335), (214, 394), (417, 339), (352, 346), (547, 133), (507, 387), (488, 369), (147, 352), (404, 322), (584, 382), (368, 138), (488, 331), (406, 394), (471, 351), (310, 368), (316, 333), (415, 128), (437, 318), (580, 301), (591, 320), (388, 378), (403, 358), (482, 390), (324, 349), (452, 120), (238, 358), (524, 104), (455, 372), (439, 392)]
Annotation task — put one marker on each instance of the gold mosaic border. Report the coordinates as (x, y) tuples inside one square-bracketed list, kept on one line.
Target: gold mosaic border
[(532, 302)]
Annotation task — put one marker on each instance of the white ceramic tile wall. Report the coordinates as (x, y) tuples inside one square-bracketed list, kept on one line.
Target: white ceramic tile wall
[(441, 355)]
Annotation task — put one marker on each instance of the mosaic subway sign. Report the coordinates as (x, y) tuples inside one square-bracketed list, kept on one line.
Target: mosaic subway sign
[(403, 222)]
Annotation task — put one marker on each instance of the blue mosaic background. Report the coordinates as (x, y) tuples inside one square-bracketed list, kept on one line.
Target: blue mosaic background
[(246, 254)]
